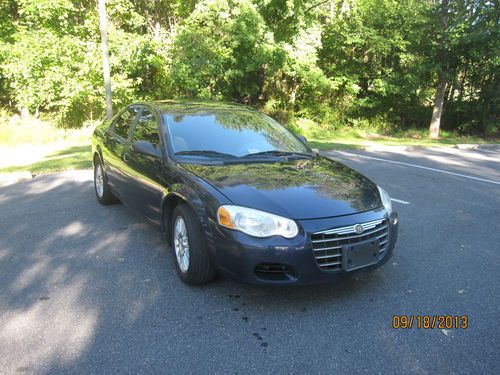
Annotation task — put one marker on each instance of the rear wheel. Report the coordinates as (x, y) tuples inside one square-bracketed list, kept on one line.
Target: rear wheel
[(102, 191), (191, 256)]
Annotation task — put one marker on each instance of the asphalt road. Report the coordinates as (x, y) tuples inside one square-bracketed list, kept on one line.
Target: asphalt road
[(92, 289)]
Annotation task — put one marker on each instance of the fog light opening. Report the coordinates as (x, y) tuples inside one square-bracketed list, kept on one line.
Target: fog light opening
[(275, 272)]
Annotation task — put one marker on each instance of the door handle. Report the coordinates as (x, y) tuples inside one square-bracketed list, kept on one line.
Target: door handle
[(126, 157)]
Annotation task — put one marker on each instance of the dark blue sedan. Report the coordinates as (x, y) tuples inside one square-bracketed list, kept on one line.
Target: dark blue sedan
[(236, 194)]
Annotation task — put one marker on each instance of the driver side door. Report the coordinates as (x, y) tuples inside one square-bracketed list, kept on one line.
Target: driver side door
[(115, 146), (146, 171)]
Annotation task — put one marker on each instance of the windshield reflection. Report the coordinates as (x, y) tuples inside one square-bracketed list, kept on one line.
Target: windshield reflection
[(230, 131)]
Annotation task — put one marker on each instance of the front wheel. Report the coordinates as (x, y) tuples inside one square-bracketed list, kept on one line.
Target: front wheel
[(102, 191), (191, 255)]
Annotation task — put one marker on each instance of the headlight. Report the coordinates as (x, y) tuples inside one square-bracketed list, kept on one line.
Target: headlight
[(386, 200), (256, 223)]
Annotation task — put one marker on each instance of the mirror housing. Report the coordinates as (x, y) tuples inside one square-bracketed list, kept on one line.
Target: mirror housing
[(146, 148)]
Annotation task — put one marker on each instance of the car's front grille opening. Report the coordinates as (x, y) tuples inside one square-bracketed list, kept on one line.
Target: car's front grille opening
[(274, 272), (327, 245)]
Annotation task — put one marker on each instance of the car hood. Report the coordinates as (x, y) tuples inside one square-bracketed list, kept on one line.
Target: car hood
[(298, 189)]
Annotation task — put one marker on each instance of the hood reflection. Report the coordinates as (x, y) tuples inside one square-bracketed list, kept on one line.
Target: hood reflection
[(300, 189)]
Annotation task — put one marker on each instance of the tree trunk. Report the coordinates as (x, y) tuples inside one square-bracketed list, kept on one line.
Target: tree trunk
[(157, 31), (442, 80), (25, 113), (105, 58), (438, 108)]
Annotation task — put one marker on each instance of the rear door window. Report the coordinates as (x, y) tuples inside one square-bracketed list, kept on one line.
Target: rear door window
[(147, 128)]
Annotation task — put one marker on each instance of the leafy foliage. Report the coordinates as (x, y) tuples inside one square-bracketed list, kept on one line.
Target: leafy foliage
[(327, 63), (219, 52)]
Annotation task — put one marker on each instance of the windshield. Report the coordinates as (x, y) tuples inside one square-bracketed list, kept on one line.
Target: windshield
[(228, 133)]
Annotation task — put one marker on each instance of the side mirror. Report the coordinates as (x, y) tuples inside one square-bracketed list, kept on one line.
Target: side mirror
[(302, 138), (146, 148)]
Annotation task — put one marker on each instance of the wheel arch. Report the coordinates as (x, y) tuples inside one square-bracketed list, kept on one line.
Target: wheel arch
[(97, 154), (203, 202), (169, 203)]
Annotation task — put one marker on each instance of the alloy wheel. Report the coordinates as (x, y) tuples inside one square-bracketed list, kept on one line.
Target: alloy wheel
[(99, 181), (181, 244)]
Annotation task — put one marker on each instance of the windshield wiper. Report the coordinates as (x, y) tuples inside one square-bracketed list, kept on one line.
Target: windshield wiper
[(207, 153), (278, 153)]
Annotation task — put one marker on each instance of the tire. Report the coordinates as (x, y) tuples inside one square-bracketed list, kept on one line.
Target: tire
[(196, 268), (101, 187)]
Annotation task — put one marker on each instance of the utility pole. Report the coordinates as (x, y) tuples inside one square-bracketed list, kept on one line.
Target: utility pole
[(105, 58)]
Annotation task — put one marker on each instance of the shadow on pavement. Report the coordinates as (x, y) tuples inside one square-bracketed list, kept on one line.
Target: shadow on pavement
[(88, 288)]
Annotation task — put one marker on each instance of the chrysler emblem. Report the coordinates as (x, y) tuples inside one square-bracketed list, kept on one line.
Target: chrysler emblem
[(358, 228)]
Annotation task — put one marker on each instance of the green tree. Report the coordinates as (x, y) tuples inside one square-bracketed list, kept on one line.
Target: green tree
[(219, 52), (472, 42), (335, 62), (372, 53)]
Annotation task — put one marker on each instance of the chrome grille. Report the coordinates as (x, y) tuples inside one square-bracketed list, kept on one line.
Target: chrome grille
[(327, 244)]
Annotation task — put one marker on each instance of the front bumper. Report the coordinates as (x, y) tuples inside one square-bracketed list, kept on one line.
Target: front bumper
[(241, 257)]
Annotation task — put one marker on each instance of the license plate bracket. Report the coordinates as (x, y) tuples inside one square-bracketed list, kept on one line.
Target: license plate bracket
[(360, 254)]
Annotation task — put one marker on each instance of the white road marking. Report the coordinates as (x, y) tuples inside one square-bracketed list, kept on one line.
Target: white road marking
[(446, 331), (399, 201), (421, 167)]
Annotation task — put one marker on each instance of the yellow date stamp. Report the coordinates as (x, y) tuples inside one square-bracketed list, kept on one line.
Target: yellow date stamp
[(430, 321)]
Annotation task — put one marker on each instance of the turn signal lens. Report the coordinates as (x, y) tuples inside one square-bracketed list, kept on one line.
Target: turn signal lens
[(225, 217)]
